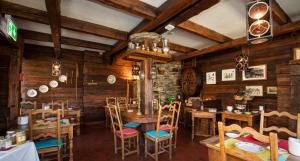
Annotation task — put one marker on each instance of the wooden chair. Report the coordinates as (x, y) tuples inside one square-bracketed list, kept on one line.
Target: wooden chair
[(271, 139), (262, 128), (122, 103), (203, 115), (159, 137), (124, 134), (45, 132), (26, 107), (109, 101)]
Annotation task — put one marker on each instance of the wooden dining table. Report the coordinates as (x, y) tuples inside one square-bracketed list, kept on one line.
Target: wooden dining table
[(143, 119), (214, 151)]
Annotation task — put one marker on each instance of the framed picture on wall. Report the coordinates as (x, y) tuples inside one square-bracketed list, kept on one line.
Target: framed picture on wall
[(228, 75), (211, 78), (255, 90), (272, 90), (297, 53), (258, 72)]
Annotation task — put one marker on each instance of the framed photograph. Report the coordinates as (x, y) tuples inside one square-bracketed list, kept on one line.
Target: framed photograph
[(228, 75), (258, 72), (272, 90), (297, 53), (211, 78), (255, 90)]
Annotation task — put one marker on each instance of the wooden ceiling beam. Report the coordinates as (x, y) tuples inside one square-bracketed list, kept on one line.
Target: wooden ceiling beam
[(203, 31), (168, 11), (134, 7), (39, 16), (38, 36), (53, 9), (279, 15), (281, 30)]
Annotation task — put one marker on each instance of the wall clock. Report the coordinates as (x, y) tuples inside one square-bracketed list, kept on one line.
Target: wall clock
[(111, 79), (191, 82)]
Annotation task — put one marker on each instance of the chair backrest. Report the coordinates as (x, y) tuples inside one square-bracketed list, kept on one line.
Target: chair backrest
[(262, 127), (27, 106), (122, 103), (176, 105), (49, 126), (155, 104), (271, 139), (115, 119), (111, 101), (56, 105), (166, 114)]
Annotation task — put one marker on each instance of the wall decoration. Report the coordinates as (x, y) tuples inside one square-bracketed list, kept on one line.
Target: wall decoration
[(43, 88), (31, 93), (258, 72), (272, 90), (211, 78), (53, 84), (111, 79), (255, 90), (191, 82), (228, 75), (297, 53)]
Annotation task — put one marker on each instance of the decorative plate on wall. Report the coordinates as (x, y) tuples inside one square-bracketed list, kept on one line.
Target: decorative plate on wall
[(43, 88), (62, 78), (111, 79), (31, 93), (53, 84)]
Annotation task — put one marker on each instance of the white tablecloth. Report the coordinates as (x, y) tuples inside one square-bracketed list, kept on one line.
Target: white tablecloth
[(24, 152)]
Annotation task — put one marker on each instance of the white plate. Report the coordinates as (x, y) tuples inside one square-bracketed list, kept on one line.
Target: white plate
[(53, 84), (62, 78), (43, 88), (31, 93), (249, 147), (111, 79), (232, 135)]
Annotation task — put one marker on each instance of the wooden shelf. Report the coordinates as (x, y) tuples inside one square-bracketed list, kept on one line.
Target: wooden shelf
[(140, 55), (295, 62)]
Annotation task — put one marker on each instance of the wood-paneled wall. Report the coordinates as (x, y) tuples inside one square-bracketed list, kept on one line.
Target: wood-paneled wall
[(275, 53), (91, 98)]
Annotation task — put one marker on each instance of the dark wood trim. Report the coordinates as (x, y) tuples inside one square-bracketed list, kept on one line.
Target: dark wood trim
[(53, 9), (284, 29), (33, 35), (134, 7), (203, 31), (279, 15), (39, 16)]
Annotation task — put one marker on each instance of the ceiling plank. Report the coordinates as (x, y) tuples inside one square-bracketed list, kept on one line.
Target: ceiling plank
[(279, 15), (168, 10), (203, 31), (39, 16), (134, 7), (53, 9), (284, 29), (38, 36)]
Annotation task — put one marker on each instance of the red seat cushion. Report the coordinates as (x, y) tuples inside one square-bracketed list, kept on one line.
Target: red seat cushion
[(165, 127), (127, 132)]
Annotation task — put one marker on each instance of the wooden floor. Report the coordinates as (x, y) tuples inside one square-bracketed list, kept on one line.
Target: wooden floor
[(96, 144)]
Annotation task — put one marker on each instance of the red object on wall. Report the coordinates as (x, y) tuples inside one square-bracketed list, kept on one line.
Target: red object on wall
[(21, 77)]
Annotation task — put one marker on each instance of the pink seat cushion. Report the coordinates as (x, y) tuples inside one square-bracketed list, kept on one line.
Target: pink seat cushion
[(165, 127), (127, 132)]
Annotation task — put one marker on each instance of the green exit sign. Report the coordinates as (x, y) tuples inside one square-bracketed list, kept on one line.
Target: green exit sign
[(12, 29)]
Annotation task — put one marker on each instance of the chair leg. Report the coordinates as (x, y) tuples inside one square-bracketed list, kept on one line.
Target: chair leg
[(137, 144), (175, 139), (193, 128), (123, 150), (146, 145), (58, 155), (156, 151), (170, 148), (115, 144)]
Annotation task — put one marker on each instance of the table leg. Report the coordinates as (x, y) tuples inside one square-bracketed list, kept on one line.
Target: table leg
[(250, 123)]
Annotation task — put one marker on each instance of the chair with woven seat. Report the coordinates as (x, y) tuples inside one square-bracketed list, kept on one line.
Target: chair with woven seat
[(271, 139), (160, 137), (44, 130), (124, 134), (167, 127), (263, 128), (26, 107)]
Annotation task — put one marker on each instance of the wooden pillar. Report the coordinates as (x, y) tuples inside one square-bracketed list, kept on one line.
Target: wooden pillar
[(146, 87)]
